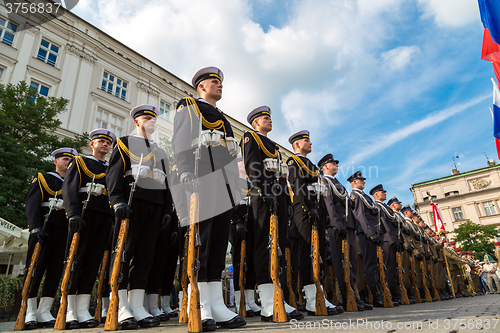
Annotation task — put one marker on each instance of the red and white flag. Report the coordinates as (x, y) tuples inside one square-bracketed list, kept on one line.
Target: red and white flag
[(438, 221)]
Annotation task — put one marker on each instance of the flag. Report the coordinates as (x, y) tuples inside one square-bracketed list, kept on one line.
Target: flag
[(491, 50), (495, 113), (438, 222), (490, 16)]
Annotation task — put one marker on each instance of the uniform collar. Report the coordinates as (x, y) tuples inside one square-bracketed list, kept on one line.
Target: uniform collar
[(141, 137), (105, 163), (356, 189), (55, 174), (204, 101)]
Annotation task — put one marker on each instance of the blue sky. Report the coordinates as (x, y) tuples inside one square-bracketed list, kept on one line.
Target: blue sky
[(393, 87)]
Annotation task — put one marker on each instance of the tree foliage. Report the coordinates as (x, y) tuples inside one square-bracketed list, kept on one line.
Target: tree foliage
[(476, 238), (28, 123)]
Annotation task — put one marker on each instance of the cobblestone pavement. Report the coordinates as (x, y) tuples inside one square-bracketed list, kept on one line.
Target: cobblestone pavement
[(471, 314)]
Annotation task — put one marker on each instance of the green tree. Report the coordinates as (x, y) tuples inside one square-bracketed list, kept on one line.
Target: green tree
[(28, 122), (476, 238)]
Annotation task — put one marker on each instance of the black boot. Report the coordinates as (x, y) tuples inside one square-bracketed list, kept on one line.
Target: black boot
[(422, 294), (411, 295), (363, 295), (378, 300), (396, 295), (362, 305)]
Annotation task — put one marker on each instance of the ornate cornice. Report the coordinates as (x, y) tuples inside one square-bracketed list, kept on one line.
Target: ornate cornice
[(82, 54), (148, 89)]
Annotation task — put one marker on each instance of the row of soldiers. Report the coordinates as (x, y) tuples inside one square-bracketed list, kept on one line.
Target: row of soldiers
[(375, 253)]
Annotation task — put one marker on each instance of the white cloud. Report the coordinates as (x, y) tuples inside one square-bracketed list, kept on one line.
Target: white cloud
[(385, 141), (451, 13), (397, 58)]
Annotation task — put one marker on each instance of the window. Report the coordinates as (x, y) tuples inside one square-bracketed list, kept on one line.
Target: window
[(114, 85), (458, 214), (48, 52), (108, 120), (40, 88), (451, 193), (2, 70), (430, 198), (164, 110), (489, 208), (7, 30)]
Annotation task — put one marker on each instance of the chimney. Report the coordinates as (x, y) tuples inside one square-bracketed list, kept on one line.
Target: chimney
[(455, 172), (491, 163)]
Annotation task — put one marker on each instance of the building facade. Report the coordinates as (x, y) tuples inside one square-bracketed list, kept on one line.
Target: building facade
[(102, 78), (473, 195)]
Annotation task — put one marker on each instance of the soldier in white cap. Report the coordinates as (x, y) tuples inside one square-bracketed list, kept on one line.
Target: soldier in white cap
[(199, 126), (87, 174), (304, 180), (43, 193), (138, 156), (262, 160)]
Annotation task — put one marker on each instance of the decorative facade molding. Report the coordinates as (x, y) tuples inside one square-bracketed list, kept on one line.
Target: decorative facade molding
[(31, 28), (479, 184), (82, 54), (148, 89)]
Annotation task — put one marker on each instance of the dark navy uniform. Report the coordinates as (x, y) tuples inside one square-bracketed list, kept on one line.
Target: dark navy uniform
[(50, 262), (303, 173), (98, 218), (341, 216), (365, 213), (256, 148), (151, 201), (392, 242), (219, 191)]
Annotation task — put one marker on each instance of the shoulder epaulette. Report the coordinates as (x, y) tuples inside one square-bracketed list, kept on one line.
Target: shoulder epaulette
[(261, 145), (303, 166), (43, 184)]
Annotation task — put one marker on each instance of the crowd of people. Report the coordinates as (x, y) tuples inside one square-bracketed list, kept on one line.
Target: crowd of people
[(336, 250)]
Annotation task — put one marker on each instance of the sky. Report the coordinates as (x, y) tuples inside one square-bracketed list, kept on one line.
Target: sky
[(394, 88)]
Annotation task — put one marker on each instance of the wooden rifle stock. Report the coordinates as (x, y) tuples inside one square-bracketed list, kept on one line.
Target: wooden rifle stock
[(279, 313), (449, 275), (350, 300), (332, 284), (433, 283), (418, 299), (428, 297), (320, 309), (112, 317), (383, 283), (243, 254), (61, 314), (100, 286), (183, 315), (21, 317), (404, 294), (289, 282), (194, 318), (301, 296)]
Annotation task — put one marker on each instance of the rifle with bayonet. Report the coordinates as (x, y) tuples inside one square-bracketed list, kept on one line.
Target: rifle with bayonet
[(320, 308), (351, 305), (112, 317), (242, 277), (70, 267), (383, 282), (194, 243), (183, 315), (21, 317), (279, 313), (100, 286)]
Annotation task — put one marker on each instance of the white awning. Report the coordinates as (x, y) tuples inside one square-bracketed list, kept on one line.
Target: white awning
[(12, 238)]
